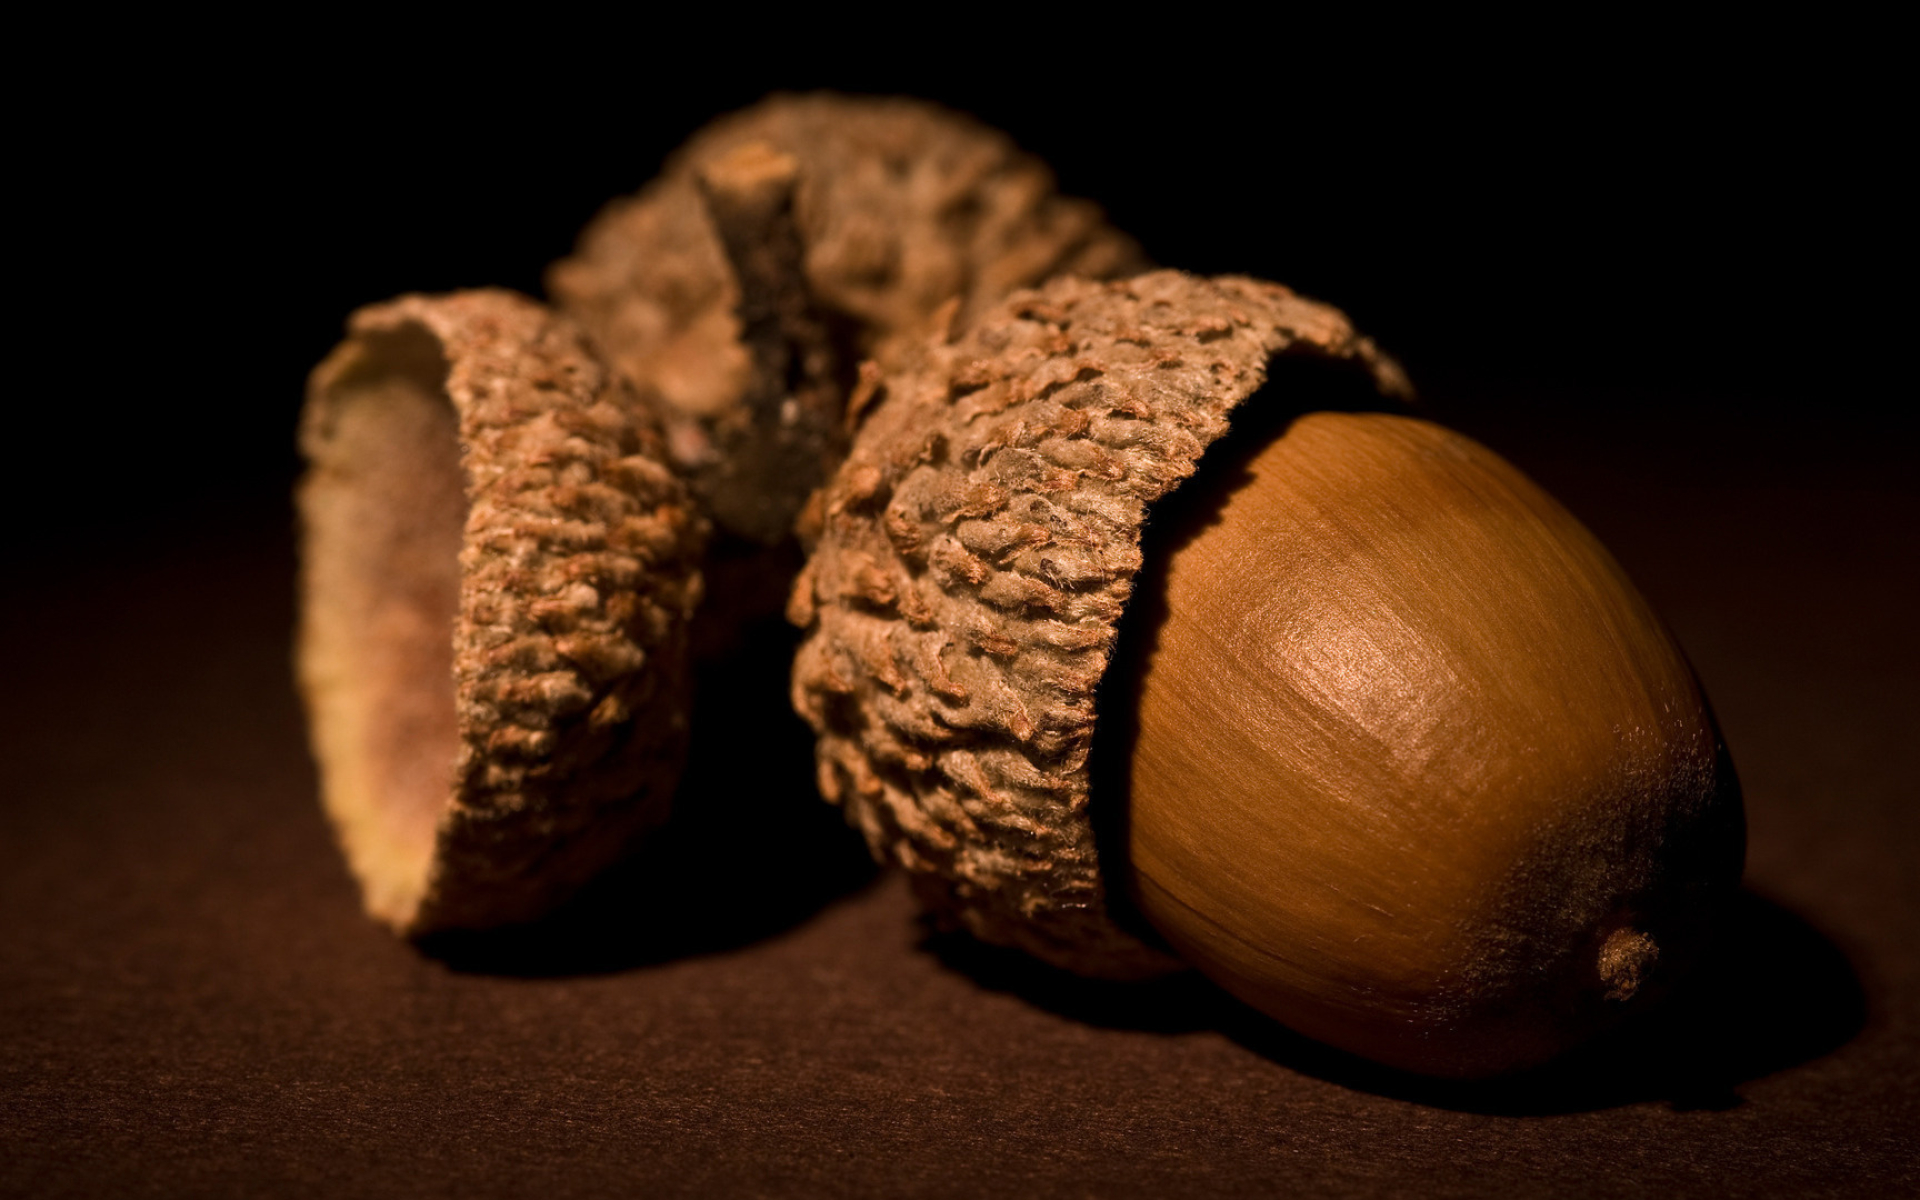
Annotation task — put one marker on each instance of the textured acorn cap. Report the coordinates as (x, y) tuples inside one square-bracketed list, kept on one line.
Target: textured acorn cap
[(497, 570), (786, 243), (980, 543)]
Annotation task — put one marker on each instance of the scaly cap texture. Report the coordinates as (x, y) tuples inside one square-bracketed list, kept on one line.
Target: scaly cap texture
[(979, 545), (784, 244), (492, 646)]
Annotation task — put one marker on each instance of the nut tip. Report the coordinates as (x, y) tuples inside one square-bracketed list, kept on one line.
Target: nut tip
[(1626, 960)]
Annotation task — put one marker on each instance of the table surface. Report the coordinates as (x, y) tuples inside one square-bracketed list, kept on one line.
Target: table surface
[(191, 1001)]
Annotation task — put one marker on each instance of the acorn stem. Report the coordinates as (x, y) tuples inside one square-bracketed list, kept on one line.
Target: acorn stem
[(1626, 960), (793, 401)]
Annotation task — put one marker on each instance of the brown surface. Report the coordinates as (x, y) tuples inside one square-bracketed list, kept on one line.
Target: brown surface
[(191, 1001)]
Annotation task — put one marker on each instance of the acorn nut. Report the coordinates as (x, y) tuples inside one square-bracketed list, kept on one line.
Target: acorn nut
[(1387, 745), (497, 572)]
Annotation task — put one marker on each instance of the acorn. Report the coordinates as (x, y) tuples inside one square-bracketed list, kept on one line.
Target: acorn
[(497, 573), (1367, 728)]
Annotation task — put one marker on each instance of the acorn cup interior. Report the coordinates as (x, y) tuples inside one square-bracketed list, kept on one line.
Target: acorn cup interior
[(382, 573), (1405, 760)]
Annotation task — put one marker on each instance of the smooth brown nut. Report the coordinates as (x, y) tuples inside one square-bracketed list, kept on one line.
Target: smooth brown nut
[(786, 244), (497, 571), (1402, 759), (1414, 768)]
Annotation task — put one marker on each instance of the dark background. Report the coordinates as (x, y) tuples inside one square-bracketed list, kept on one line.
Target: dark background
[(1688, 233), (1660, 267)]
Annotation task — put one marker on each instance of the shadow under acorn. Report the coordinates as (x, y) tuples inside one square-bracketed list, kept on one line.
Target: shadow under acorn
[(1770, 993), (749, 852)]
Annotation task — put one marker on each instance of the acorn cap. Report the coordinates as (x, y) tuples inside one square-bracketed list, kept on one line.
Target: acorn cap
[(497, 570), (786, 243), (979, 545)]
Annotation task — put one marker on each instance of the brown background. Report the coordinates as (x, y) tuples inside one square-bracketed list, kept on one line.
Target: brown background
[(1647, 273)]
